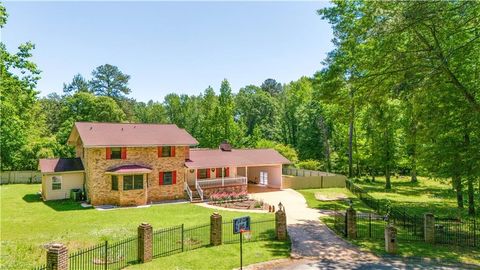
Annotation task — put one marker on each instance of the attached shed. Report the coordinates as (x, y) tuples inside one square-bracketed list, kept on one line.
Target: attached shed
[(60, 176)]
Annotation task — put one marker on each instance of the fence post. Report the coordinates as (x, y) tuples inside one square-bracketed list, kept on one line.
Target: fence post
[(351, 216), (183, 240), (429, 228), (390, 239), (145, 242), (57, 257), (281, 223), (105, 256), (216, 229)]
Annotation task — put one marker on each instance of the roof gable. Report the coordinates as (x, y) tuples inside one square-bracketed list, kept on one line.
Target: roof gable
[(95, 134)]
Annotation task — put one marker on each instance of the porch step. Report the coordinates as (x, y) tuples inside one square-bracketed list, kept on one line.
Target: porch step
[(195, 196)]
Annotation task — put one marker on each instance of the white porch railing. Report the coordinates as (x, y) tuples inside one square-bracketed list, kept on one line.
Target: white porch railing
[(221, 182), (188, 190), (199, 190)]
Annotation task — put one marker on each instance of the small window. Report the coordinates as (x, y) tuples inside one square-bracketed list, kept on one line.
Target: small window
[(202, 173), (56, 182), (116, 153), (131, 182), (114, 182), (166, 151), (167, 178)]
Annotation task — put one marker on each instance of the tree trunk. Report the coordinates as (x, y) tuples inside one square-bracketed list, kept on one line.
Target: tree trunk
[(350, 144), (326, 143), (457, 184), (414, 171), (471, 196), (388, 183)]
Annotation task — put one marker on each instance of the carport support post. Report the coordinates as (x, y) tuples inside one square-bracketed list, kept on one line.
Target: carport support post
[(215, 229), (429, 228), (145, 242), (281, 223), (351, 216), (57, 257)]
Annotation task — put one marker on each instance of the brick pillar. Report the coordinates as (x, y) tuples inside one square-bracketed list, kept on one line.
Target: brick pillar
[(145, 242), (429, 228), (57, 257), (215, 229), (390, 239), (281, 223), (351, 216)]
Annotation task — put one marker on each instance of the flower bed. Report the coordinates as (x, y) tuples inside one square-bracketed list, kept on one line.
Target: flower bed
[(238, 201)]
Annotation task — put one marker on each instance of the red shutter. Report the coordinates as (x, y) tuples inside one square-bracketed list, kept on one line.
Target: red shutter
[(124, 153), (172, 151), (109, 153), (208, 172), (227, 171), (198, 174), (218, 172), (160, 178), (159, 151), (174, 176)]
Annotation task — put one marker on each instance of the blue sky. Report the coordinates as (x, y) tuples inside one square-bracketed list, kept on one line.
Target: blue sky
[(166, 47)]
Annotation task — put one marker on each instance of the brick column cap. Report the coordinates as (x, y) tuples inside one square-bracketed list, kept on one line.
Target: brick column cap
[(56, 247)]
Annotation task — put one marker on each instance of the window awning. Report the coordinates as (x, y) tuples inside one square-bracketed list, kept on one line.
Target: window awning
[(129, 169)]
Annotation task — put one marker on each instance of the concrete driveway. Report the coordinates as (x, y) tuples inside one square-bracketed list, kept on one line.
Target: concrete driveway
[(315, 246)]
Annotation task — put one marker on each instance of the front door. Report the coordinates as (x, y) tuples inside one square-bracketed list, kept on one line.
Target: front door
[(263, 178)]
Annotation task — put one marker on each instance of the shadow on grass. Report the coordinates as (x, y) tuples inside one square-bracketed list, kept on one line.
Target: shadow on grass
[(278, 248), (57, 205)]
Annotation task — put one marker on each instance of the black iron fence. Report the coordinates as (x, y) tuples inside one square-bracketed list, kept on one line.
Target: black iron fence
[(166, 241), (452, 231), (259, 230), (457, 232), (370, 225)]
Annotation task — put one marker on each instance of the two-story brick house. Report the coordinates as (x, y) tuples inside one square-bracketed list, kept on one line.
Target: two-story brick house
[(137, 164)]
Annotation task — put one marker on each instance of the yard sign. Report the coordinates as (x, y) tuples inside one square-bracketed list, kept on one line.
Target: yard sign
[(241, 224)]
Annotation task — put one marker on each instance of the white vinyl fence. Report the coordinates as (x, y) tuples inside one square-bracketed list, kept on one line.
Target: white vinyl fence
[(20, 177)]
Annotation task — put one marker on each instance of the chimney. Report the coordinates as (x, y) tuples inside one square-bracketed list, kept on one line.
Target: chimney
[(225, 146)]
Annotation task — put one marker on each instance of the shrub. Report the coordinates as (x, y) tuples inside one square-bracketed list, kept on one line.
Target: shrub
[(309, 164)]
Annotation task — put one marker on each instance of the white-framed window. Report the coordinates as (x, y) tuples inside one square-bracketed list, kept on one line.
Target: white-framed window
[(56, 182)]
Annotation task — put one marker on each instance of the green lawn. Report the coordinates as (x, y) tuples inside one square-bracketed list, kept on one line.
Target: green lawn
[(220, 257), (27, 224), (312, 202), (428, 195)]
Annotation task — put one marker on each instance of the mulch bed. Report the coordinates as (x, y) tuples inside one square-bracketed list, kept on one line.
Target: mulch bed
[(243, 205)]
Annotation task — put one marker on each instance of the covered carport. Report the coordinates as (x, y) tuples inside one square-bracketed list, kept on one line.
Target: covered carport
[(265, 175)]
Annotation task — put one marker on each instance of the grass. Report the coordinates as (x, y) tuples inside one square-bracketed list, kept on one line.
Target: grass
[(27, 224), (220, 257), (441, 253), (312, 202), (427, 195)]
